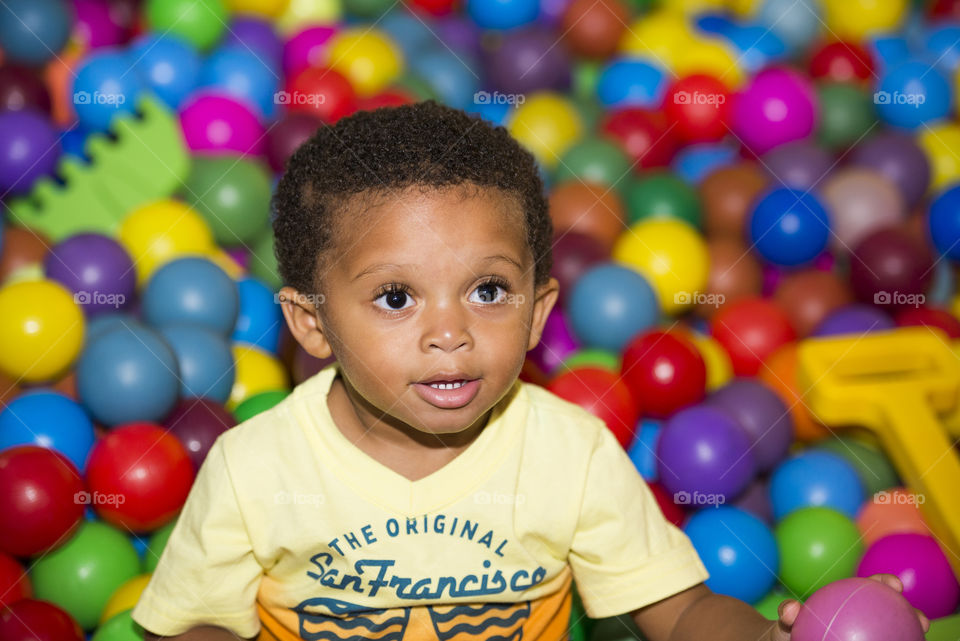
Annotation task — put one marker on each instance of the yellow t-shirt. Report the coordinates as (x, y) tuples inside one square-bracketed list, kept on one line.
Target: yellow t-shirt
[(291, 531)]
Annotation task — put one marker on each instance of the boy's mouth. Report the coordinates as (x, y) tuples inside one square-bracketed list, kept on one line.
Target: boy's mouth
[(448, 392)]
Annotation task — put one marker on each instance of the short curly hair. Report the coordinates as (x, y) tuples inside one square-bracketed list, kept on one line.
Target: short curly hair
[(388, 150)]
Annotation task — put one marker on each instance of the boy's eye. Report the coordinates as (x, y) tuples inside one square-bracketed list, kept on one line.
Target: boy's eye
[(394, 300), (488, 293)]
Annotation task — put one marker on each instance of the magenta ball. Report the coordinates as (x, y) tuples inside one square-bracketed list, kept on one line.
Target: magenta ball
[(305, 49), (856, 610), (217, 124), (777, 107), (95, 25), (928, 581), (556, 343)]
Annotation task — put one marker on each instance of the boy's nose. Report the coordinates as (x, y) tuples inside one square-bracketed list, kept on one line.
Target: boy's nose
[(447, 330)]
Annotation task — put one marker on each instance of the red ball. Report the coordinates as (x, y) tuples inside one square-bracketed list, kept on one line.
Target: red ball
[(434, 7), (386, 98), (325, 93), (750, 330), (644, 135), (930, 317), (14, 582), (39, 492), (32, 620), (698, 107), (671, 511), (604, 395), (664, 372), (139, 476), (841, 62)]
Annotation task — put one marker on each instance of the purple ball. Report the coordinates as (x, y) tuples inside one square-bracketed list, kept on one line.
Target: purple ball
[(258, 36), (528, 61), (460, 34), (29, 149), (799, 165), (761, 414), (704, 457), (197, 422), (96, 268), (551, 11), (900, 159), (756, 500), (856, 609), (854, 319), (556, 343)]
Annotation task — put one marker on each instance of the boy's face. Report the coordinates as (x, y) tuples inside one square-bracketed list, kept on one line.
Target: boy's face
[(429, 306)]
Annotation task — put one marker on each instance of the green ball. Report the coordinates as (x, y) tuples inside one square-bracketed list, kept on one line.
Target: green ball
[(367, 8), (120, 627), (817, 546), (769, 606), (263, 262), (585, 76), (233, 195), (945, 629), (199, 22), (590, 111), (873, 467), (847, 113), (258, 403), (661, 194), (594, 160), (158, 541), (416, 86), (81, 575), (592, 357)]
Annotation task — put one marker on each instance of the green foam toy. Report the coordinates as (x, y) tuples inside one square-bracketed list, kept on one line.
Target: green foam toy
[(143, 159)]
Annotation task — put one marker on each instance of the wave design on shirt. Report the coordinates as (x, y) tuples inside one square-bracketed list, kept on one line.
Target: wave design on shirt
[(352, 623), (490, 621)]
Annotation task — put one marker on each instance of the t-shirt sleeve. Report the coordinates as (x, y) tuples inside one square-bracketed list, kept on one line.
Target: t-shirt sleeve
[(625, 554), (207, 573)]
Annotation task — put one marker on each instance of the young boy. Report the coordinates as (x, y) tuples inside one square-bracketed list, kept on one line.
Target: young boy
[(416, 489)]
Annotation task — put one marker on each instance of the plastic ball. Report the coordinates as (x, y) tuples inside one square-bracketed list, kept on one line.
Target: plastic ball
[(366, 57), (895, 511), (96, 268), (443, 75), (604, 395), (750, 330), (34, 620), (671, 255), (199, 22), (854, 319), (796, 23), (860, 201), (527, 61), (34, 30), (889, 268), (191, 290), (817, 546), (644, 134), (47, 419), (220, 124), (556, 342), (847, 114), (728, 195), (761, 414), (911, 94), (929, 317), (502, 14), (789, 227), (815, 479), (778, 106), (592, 29), (799, 165), (642, 451), (94, 26), (719, 368), (944, 223), (258, 403), (704, 457), (898, 158), (39, 488), (698, 106), (161, 231), (659, 35), (259, 319), (21, 88), (155, 545), (256, 371), (204, 360), (103, 88), (125, 598), (286, 135), (249, 31), (734, 274), (593, 160), (323, 93), (609, 305), (664, 372), (306, 48), (29, 149), (127, 373), (547, 124), (851, 609), (856, 19), (82, 574), (917, 559), (589, 209), (301, 13), (809, 296), (232, 193), (660, 194), (631, 83), (14, 582), (264, 8), (938, 140), (41, 329), (197, 422), (841, 61), (240, 73), (738, 550)]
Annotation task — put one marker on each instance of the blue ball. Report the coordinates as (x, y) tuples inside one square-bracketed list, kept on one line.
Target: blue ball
[(48, 419), (789, 227), (738, 550), (167, 65), (944, 223), (236, 71), (105, 322), (911, 94), (695, 162), (74, 142), (815, 479), (759, 46), (631, 83), (493, 112), (609, 305), (449, 76), (502, 14), (888, 51), (943, 44), (407, 31), (104, 87), (128, 374), (643, 450), (260, 318), (191, 290), (795, 22), (34, 31), (204, 360)]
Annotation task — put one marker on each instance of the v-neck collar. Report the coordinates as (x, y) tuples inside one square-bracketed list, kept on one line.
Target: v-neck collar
[(383, 486)]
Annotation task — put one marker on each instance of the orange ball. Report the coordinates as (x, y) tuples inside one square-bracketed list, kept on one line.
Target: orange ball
[(728, 195), (809, 296), (779, 373), (734, 274), (895, 511), (589, 209), (592, 28)]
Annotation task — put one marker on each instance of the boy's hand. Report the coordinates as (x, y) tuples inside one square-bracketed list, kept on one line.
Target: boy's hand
[(790, 608)]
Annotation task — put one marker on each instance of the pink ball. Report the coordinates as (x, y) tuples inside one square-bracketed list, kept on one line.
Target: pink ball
[(217, 124), (778, 106), (928, 580), (855, 610), (556, 344), (306, 49), (95, 26)]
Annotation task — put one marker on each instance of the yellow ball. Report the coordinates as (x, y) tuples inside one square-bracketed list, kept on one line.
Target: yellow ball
[(671, 255), (547, 124), (369, 59), (660, 37), (711, 58), (125, 597), (857, 19), (264, 8), (694, 7), (256, 371), (744, 8), (41, 330), (161, 231), (304, 13), (940, 142), (719, 367)]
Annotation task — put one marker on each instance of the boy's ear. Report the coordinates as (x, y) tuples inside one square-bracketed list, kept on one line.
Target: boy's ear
[(546, 298), (304, 322)]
